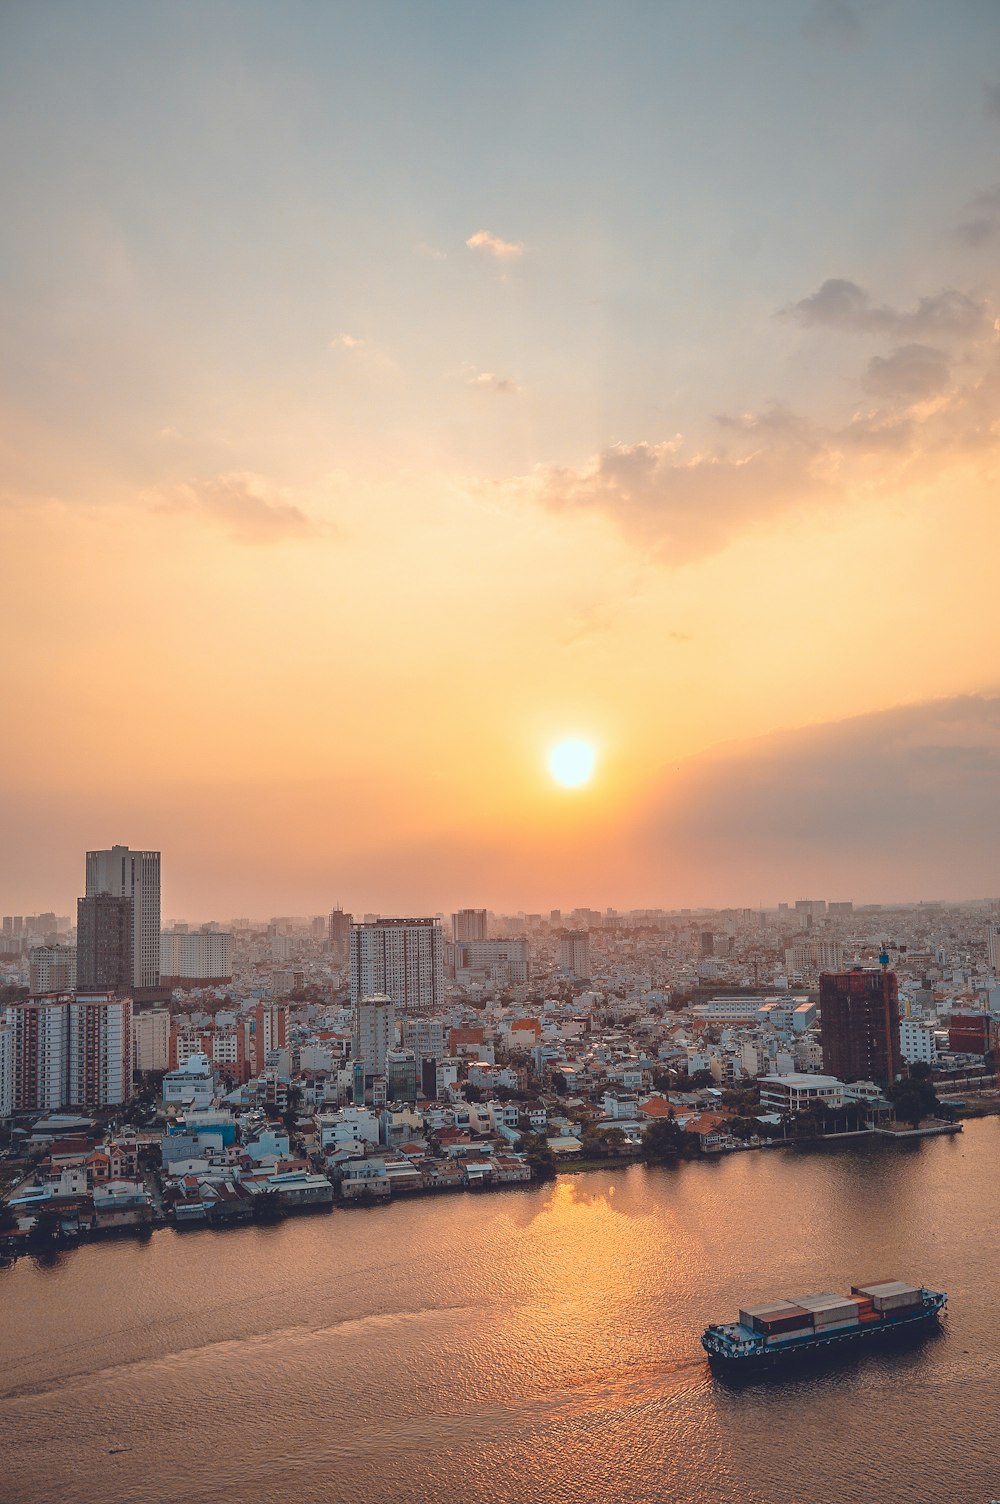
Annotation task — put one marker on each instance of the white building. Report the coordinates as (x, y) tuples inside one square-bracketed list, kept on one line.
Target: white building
[(795, 1092), (151, 1039), (401, 958), (100, 1050), (469, 924), (574, 953), (6, 1071), (189, 957), (40, 1042), (374, 1033), (993, 948), (52, 968), (191, 1084), (133, 874), (917, 1043)]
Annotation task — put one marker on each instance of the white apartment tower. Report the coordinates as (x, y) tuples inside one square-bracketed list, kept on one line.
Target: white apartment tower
[(469, 924), (52, 968), (133, 874), (374, 1033), (151, 1039), (100, 1050), (402, 958), (574, 953), (993, 948), (6, 1071)]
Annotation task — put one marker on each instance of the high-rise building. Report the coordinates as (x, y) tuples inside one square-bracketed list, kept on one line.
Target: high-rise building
[(574, 953), (859, 1021), (270, 1032), (195, 958), (502, 961), (401, 1076), (340, 934), (469, 924), (993, 948), (105, 953), (52, 968), (151, 1040), (136, 875), (402, 958), (374, 1033), (99, 1056), (6, 1071), (40, 1046)]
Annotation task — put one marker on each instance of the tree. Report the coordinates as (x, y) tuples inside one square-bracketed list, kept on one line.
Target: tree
[(471, 1092), (663, 1141), (702, 1078), (914, 1100), (559, 1083), (8, 1217), (540, 1157), (48, 1226), (268, 1207)]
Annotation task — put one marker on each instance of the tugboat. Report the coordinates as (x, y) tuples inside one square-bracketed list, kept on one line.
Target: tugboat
[(772, 1335)]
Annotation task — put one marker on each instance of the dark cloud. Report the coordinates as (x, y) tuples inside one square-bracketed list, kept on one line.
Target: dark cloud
[(848, 806), (833, 21), (685, 509), (910, 372), (242, 504), (984, 218), (841, 304)]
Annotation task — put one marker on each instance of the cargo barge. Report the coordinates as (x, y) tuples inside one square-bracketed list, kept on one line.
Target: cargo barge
[(773, 1335)]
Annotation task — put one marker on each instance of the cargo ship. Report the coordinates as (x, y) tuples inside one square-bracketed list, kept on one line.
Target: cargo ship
[(772, 1335)]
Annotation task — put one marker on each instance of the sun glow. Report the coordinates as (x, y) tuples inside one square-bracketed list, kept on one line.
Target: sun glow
[(572, 762)]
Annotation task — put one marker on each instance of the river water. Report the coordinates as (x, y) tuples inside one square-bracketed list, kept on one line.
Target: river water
[(536, 1344)]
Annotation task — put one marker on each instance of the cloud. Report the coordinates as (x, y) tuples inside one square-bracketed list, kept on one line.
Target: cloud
[(367, 355), (984, 222), (687, 508), (431, 251), (845, 806), (489, 381), (841, 304), (346, 342), (833, 21), (245, 504), (503, 250), (911, 372)]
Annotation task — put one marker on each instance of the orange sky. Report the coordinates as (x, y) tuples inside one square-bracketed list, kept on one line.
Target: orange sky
[(357, 447)]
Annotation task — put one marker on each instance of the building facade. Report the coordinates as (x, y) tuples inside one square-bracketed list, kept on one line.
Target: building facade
[(151, 1039), (374, 1032), (201, 958), (105, 952), (469, 924), (574, 953), (99, 1054), (52, 968), (859, 1023), (400, 958), (136, 875)]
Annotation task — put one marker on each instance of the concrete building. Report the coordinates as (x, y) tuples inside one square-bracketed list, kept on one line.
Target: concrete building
[(195, 958), (400, 1076), (500, 961), (40, 1047), (400, 958), (574, 954), (105, 951), (917, 1042), (859, 1020), (993, 948), (270, 1032), (340, 935), (99, 1057), (136, 875), (151, 1039), (795, 1092), (52, 968), (469, 924), (374, 1032), (6, 1071)]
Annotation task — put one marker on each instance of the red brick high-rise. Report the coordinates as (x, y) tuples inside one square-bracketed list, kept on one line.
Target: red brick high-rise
[(859, 1019)]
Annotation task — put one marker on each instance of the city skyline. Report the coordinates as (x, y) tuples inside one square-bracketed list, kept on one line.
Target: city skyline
[(396, 395)]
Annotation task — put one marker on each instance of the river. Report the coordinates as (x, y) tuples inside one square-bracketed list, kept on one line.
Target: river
[(537, 1344)]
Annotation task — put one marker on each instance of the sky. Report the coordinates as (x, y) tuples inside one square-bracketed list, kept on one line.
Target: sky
[(388, 392)]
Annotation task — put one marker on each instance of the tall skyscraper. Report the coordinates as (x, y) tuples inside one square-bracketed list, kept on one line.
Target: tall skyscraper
[(52, 968), (469, 924), (574, 953), (40, 1046), (99, 1056), (859, 1021), (6, 1071), (122, 873), (993, 948), (374, 1032), (105, 952), (403, 958), (340, 934)]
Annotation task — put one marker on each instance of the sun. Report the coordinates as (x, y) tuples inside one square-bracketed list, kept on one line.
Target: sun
[(572, 762)]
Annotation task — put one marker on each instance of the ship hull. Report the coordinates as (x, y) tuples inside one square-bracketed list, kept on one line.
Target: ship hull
[(815, 1349)]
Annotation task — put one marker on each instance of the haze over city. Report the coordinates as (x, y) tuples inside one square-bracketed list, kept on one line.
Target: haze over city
[(392, 393)]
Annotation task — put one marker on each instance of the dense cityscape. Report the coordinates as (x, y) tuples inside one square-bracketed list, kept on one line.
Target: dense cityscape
[(223, 1073)]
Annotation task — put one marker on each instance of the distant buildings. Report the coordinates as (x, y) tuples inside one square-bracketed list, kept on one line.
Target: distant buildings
[(402, 958), (574, 953), (469, 924), (993, 948), (151, 1039), (122, 873), (52, 968), (195, 957), (340, 935), (859, 1020)]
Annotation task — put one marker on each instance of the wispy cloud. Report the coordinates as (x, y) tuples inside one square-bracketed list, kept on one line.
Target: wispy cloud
[(841, 304), (984, 218), (489, 381), (367, 355), (249, 508), (910, 372), (493, 245)]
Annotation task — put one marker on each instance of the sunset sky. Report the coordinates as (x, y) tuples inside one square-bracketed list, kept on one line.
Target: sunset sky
[(389, 391)]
